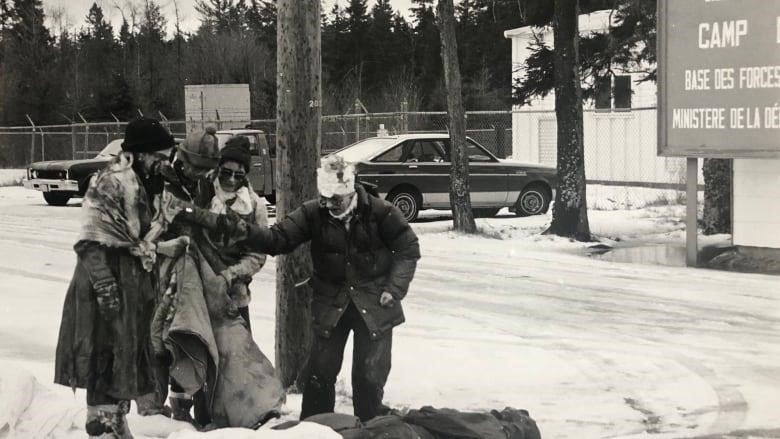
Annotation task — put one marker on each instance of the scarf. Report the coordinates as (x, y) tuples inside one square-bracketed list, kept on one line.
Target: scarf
[(239, 201), (115, 210)]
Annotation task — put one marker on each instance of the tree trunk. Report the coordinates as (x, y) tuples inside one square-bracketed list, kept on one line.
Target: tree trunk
[(717, 196), (298, 136), (570, 212), (460, 195)]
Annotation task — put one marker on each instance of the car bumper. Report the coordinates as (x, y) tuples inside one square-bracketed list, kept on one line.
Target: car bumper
[(51, 185)]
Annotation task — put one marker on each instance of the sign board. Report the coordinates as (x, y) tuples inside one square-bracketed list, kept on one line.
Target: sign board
[(719, 78)]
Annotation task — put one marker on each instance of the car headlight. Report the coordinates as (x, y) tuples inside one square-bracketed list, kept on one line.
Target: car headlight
[(33, 173)]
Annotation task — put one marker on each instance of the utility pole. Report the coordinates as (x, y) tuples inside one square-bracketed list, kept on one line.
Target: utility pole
[(298, 138), (460, 193)]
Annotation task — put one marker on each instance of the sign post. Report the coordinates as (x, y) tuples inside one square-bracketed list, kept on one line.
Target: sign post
[(718, 84)]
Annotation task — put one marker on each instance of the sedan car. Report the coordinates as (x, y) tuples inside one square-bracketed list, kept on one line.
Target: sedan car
[(62, 180), (413, 172)]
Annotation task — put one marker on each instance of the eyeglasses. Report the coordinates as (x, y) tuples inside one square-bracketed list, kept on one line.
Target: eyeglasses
[(226, 174), (336, 199)]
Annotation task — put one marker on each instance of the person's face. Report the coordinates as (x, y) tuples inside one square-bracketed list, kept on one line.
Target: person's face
[(337, 204), (232, 176), (147, 160)]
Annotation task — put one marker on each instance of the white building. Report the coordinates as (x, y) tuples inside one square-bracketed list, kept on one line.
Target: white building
[(621, 142)]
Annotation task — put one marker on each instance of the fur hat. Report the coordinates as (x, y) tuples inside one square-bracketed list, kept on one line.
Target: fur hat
[(146, 135), (237, 150), (335, 177), (201, 148)]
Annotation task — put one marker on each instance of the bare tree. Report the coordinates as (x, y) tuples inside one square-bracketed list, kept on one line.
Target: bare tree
[(460, 193), (298, 121)]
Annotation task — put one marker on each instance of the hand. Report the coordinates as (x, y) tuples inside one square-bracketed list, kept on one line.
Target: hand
[(108, 300), (231, 226), (386, 300), (173, 247)]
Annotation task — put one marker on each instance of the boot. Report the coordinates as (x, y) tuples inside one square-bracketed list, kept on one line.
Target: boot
[(181, 403), (108, 421)]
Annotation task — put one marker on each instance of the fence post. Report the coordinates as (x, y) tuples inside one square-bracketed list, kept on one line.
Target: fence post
[(32, 139), (499, 134), (118, 128), (404, 116), (72, 140), (357, 120), (43, 145), (86, 136)]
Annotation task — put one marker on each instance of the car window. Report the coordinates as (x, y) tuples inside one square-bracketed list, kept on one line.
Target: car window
[(392, 156), (425, 151), (476, 154), (112, 149)]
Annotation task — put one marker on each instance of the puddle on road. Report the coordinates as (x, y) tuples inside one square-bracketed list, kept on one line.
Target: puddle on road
[(647, 254)]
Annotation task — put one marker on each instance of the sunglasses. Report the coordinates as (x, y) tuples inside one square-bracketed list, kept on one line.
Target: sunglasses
[(227, 174)]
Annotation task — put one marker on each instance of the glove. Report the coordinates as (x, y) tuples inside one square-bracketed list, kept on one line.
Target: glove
[(107, 295), (232, 226), (386, 300)]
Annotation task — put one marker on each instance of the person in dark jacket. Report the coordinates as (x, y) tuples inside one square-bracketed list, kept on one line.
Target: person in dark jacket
[(364, 256), (104, 340)]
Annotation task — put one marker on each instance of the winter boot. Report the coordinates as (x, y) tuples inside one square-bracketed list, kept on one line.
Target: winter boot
[(108, 421), (181, 403)]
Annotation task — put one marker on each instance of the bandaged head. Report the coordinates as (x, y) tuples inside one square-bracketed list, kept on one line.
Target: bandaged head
[(335, 177)]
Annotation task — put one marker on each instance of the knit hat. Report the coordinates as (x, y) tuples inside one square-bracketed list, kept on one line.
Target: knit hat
[(335, 177), (237, 149), (146, 135), (201, 148)]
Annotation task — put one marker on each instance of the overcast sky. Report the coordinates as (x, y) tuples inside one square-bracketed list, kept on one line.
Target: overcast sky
[(75, 11)]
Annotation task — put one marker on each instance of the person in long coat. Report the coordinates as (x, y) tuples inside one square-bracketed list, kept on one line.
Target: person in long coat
[(364, 255), (104, 340)]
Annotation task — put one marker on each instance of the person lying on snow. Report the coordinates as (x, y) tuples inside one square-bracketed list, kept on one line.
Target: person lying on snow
[(364, 257), (103, 343), (198, 332)]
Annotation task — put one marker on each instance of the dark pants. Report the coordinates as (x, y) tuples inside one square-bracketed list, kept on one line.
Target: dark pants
[(370, 368)]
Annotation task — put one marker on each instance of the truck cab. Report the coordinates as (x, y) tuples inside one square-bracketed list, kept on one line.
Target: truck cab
[(261, 174)]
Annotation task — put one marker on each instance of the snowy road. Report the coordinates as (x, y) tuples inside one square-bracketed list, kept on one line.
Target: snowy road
[(592, 349)]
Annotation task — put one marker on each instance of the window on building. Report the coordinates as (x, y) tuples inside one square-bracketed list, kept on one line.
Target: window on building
[(604, 93), (613, 93), (622, 92)]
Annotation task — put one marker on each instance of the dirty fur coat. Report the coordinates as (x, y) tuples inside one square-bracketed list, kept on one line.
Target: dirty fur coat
[(110, 357)]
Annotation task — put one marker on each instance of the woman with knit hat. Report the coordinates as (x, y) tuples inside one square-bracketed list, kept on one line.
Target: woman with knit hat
[(234, 195)]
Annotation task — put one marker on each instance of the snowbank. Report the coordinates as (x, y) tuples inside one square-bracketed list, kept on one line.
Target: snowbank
[(11, 177)]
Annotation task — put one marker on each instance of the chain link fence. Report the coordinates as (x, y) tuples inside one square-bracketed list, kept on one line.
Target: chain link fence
[(621, 163)]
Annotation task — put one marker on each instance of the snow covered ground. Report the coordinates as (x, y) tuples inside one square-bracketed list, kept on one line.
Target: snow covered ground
[(592, 349), (11, 177)]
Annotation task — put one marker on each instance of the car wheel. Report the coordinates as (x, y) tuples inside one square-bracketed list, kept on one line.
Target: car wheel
[(485, 212), (271, 198), (534, 200), (408, 201), (56, 198)]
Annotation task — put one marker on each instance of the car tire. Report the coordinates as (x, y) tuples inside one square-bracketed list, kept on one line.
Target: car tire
[(534, 200), (408, 201), (485, 212), (57, 198)]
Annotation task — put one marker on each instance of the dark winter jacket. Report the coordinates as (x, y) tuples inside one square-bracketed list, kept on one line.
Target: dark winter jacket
[(111, 357), (378, 253)]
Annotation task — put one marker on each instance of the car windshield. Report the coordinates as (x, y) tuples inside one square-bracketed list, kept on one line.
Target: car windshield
[(366, 149), (112, 149), (222, 138)]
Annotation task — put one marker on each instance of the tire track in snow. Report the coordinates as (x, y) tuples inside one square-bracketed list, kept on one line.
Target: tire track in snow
[(30, 274)]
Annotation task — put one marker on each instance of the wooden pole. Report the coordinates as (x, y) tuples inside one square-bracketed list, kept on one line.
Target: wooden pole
[(298, 143), (691, 201), (460, 193)]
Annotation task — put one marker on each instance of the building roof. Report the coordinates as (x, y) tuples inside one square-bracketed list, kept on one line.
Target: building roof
[(597, 21)]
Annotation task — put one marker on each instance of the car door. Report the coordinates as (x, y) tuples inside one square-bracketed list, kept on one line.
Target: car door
[(256, 170), (487, 179), (427, 169)]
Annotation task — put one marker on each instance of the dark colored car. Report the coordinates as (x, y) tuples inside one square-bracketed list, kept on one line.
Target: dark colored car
[(62, 180), (413, 172)]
